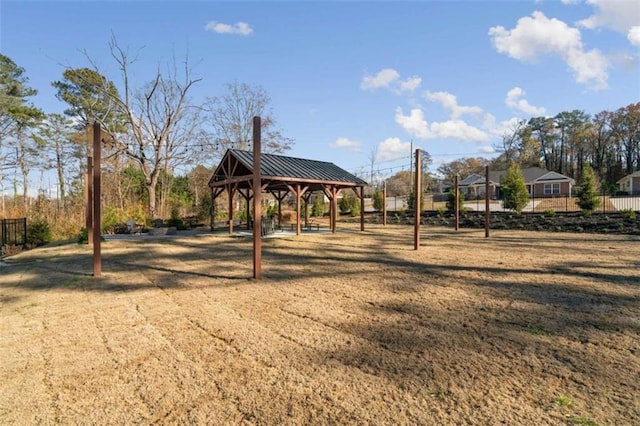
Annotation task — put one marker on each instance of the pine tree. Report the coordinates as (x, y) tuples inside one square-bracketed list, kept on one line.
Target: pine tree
[(378, 200), (588, 199), (451, 196), (514, 189)]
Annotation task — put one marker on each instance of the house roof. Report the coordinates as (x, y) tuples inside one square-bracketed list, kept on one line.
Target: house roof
[(531, 175), (278, 170), (632, 175)]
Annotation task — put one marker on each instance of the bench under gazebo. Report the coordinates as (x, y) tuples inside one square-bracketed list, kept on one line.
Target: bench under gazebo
[(281, 176)]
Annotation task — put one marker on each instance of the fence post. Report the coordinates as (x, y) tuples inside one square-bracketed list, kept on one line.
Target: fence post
[(3, 233), (24, 227)]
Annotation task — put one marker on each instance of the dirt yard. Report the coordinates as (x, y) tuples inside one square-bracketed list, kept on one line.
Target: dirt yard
[(351, 328)]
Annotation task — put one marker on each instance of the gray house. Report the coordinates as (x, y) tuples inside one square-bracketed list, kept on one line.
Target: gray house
[(540, 183), (630, 184)]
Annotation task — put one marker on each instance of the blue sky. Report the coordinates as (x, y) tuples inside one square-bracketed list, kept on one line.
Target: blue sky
[(348, 78)]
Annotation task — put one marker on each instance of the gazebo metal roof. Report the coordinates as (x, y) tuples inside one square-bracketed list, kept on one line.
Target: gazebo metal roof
[(279, 171)]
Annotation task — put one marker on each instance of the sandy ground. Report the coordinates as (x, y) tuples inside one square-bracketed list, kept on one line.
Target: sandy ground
[(351, 328)]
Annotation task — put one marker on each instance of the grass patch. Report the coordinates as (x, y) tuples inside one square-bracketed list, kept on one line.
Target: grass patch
[(537, 331), (564, 401), (576, 420)]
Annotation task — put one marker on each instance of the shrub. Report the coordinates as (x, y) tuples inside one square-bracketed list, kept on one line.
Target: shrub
[(588, 199), (317, 208), (549, 213), (176, 220), (628, 213), (514, 189), (38, 232), (451, 195), (83, 236), (378, 200), (349, 203), (116, 228), (109, 219), (441, 211)]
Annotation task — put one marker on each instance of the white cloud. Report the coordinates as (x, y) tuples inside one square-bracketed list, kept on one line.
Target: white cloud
[(450, 103), (392, 149), (618, 15), (410, 84), (537, 35), (353, 146), (634, 35), (416, 125), (239, 28), (389, 78), (384, 78), (514, 100)]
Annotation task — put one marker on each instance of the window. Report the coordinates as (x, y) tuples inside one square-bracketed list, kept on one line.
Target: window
[(551, 188)]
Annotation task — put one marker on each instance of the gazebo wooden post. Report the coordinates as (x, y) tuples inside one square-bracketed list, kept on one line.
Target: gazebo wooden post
[(212, 212), (230, 191), (334, 210), (298, 197), (306, 197), (280, 196), (384, 203)]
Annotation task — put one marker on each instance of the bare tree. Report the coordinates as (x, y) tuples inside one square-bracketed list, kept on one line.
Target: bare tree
[(231, 116), (157, 125)]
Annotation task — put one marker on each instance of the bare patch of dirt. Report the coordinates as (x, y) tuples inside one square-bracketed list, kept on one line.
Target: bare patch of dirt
[(350, 328)]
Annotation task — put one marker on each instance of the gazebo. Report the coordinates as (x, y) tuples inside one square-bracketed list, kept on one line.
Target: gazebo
[(281, 175)]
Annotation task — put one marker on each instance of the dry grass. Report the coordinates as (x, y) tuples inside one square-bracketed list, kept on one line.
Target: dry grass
[(351, 328)]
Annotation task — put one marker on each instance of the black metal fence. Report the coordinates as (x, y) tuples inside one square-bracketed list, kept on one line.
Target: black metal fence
[(13, 232), (564, 203)]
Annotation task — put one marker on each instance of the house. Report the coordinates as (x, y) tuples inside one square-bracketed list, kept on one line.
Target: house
[(540, 183), (630, 184)]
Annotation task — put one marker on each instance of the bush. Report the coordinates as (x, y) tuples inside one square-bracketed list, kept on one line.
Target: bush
[(38, 232), (451, 195), (588, 199), (378, 200), (629, 213), (83, 236), (176, 220), (514, 189), (549, 213), (317, 208)]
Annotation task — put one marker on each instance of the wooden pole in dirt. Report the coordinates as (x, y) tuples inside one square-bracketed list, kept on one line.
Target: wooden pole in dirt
[(456, 208), (384, 203), (416, 201), (361, 208), (257, 201), (486, 202), (97, 259), (89, 192)]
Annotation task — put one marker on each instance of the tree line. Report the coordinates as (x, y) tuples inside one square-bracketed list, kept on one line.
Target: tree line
[(152, 132)]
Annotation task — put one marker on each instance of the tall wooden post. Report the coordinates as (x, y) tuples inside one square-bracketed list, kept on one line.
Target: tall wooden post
[(456, 202), (416, 202), (298, 209), (384, 203), (486, 202), (257, 201), (362, 208), (89, 192), (334, 208), (97, 234)]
